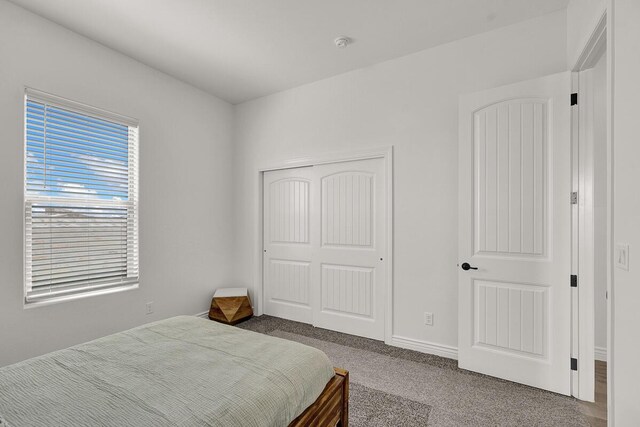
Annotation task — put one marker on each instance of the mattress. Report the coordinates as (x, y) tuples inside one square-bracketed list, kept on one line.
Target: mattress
[(183, 371)]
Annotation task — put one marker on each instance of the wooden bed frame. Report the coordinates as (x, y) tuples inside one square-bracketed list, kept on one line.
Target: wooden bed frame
[(331, 408)]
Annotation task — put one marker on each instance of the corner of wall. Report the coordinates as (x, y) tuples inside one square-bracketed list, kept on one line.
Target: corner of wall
[(582, 19)]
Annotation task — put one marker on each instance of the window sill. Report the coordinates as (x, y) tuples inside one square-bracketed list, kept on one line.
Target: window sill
[(65, 298)]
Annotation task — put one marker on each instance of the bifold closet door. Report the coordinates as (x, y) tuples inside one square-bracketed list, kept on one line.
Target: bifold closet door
[(325, 246)]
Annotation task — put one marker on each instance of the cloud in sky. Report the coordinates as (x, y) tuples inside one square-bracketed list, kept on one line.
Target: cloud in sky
[(73, 187)]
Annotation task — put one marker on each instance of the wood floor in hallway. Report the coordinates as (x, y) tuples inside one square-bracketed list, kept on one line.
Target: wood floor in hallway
[(596, 412)]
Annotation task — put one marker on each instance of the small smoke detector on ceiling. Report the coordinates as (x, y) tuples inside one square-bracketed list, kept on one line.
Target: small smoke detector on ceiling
[(342, 42)]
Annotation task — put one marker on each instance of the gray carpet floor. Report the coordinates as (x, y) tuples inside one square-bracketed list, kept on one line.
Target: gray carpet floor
[(391, 386)]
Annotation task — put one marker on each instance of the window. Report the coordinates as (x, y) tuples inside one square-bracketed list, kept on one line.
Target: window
[(81, 199)]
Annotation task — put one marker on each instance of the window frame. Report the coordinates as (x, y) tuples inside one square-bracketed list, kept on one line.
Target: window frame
[(35, 95)]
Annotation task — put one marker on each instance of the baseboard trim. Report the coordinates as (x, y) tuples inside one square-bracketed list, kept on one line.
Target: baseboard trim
[(409, 343), (601, 354), (425, 347)]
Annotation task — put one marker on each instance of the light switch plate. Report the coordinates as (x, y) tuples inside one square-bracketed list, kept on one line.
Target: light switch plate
[(428, 318), (621, 259)]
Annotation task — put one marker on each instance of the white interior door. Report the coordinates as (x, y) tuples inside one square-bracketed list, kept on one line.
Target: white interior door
[(514, 227), (324, 246)]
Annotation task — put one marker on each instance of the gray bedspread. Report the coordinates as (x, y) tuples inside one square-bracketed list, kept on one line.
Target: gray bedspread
[(183, 371)]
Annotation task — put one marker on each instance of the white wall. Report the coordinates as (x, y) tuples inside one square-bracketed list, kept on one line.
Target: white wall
[(185, 147), (625, 17), (599, 80), (410, 103), (582, 17)]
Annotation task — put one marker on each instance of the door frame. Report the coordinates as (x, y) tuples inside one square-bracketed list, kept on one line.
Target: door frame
[(385, 153), (583, 308)]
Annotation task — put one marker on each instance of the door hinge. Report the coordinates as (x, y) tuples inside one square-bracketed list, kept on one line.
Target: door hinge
[(574, 281), (574, 364), (574, 198), (574, 99)]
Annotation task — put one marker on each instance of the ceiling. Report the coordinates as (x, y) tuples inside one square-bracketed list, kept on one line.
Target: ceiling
[(243, 49)]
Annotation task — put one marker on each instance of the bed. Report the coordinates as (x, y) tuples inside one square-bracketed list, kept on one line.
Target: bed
[(183, 371)]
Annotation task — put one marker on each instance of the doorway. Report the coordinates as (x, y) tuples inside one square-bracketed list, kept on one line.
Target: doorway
[(591, 226), (600, 196), (534, 230)]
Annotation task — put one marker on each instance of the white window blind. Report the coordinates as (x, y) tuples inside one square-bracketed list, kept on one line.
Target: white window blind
[(81, 199)]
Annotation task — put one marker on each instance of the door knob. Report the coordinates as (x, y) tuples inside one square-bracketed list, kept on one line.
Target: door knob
[(465, 266)]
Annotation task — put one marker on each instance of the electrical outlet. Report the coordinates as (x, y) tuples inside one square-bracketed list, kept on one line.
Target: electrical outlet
[(428, 318), (150, 307)]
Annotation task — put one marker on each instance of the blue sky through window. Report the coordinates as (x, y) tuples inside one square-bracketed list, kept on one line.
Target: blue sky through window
[(73, 155)]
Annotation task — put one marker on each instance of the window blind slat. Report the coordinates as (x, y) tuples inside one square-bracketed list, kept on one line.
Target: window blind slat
[(104, 189), (76, 245), (70, 233), (78, 162), (83, 123), (71, 112), (39, 127), (97, 123), (65, 275), (37, 172), (78, 151), (90, 254), (77, 260), (63, 169), (62, 191), (76, 287), (81, 191), (74, 124), (83, 278), (35, 139), (45, 252)]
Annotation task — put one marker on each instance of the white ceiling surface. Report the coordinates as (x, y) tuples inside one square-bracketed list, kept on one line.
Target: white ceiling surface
[(243, 49)]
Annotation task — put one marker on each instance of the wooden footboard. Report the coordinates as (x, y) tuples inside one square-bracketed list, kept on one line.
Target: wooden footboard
[(331, 408)]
